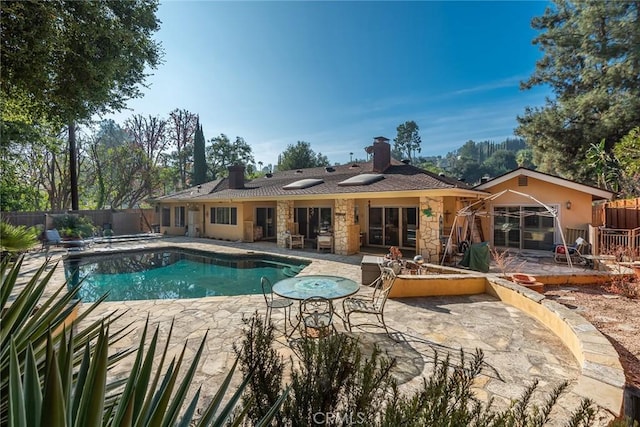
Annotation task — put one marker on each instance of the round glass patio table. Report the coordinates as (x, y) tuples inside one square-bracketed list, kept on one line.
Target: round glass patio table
[(303, 287)]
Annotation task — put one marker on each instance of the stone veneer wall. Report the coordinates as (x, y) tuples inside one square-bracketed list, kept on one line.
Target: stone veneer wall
[(284, 218), (344, 216), (429, 245)]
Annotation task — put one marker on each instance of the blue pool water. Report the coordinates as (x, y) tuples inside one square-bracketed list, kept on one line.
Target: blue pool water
[(171, 274)]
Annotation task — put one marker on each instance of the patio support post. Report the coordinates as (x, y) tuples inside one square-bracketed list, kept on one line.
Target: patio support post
[(346, 234), (429, 244), (284, 218)]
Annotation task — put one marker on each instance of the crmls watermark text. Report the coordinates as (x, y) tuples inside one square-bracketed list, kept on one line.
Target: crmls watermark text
[(357, 418)]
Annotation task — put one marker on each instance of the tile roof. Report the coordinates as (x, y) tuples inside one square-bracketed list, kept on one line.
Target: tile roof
[(397, 177)]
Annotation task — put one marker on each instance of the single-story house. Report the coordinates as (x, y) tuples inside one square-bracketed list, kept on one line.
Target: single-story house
[(380, 203)]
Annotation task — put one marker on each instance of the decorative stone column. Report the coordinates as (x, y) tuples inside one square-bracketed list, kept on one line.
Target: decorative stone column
[(430, 212), (284, 218), (343, 225)]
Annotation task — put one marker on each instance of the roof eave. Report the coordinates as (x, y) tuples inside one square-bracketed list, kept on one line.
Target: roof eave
[(597, 193)]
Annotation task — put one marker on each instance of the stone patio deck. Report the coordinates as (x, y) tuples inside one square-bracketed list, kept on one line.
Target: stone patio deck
[(517, 348)]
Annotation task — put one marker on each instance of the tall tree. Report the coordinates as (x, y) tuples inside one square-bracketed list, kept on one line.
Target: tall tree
[(223, 153), (300, 156), (199, 157), (73, 59), (107, 152), (627, 151), (150, 134), (182, 129), (591, 61), (408, 140)]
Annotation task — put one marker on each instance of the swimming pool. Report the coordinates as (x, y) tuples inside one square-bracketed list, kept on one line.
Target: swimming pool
[(174, 273)]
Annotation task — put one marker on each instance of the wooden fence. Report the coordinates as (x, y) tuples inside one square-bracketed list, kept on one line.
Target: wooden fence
[(618, 228), (123, 221), (618, 214)]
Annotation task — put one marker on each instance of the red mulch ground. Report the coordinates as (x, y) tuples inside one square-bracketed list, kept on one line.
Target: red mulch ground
[(613, 313)]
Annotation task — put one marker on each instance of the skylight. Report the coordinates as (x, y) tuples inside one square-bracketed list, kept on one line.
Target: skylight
[(303, 183), (362, 179)]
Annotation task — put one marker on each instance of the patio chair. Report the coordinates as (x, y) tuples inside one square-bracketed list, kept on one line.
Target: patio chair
[(373, 305), (316, 317), (575, 249), (325, 241), (51, 238), (273, 302)]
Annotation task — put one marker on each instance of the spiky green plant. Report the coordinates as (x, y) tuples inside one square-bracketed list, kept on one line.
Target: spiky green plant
[(56, 373), (17, 238)]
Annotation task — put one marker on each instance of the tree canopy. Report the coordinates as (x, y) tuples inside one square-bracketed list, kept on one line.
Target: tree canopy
[(300, 156), (73, 59), (591, 61), (627, 152), (408, 140), (222, 153), (64, 61)]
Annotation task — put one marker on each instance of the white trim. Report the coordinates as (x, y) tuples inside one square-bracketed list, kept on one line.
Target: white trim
[(597, 192)]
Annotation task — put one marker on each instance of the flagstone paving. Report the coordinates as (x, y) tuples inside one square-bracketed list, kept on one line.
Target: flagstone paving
[(517, 348)]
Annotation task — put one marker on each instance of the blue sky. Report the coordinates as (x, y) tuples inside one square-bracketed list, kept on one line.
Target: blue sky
[(337, 74)]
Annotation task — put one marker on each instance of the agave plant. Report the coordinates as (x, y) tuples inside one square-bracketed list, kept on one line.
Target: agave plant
[(55, 372)]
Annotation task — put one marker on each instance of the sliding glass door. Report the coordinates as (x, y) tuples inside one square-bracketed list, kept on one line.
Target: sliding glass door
[(523, 227), (393, 226), (266, 218), (313, 220)]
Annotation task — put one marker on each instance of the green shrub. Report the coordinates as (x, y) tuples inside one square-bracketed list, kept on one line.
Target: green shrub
[(256, 354), (332, 383), (74, 225)]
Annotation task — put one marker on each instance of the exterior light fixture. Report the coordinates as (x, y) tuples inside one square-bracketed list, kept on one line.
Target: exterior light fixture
[(568, 204)]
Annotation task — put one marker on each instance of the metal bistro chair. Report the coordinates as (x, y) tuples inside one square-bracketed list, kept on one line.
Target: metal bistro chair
[(275, 302), (373, 305), (316, 317)]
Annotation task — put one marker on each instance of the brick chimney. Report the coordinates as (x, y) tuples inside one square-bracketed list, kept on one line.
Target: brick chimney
[(381, 154), (236, 177)]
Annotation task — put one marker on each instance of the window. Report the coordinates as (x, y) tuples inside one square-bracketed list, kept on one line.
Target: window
[(166, 217), (523, 227), (224, 215), (178, 220)]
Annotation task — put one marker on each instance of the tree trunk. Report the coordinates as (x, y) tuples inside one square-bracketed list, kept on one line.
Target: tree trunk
[(73, 174)]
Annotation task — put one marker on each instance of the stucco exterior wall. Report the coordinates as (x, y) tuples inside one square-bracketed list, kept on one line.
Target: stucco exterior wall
[(224, 231)]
